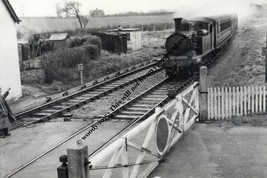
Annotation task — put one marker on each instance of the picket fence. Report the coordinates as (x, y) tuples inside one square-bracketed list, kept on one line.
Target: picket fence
[(226, 102)]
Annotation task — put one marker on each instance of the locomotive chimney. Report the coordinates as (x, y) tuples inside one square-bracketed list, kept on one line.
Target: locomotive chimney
[(178, 24)]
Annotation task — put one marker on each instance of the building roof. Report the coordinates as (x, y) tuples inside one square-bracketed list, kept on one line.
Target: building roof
[(124, 30), (11, 11), (58, 36)]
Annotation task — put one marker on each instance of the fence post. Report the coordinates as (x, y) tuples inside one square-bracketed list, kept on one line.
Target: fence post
[(264, 53), (203, 97), (78, 162), (62, 171)]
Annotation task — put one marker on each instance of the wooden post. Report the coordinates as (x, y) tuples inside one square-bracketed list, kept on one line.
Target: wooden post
[(80, 68), (203, 97), (81, 74), (78, 163), (264, 53)]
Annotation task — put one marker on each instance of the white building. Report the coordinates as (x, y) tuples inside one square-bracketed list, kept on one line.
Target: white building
[(134, 37), (9, 61)]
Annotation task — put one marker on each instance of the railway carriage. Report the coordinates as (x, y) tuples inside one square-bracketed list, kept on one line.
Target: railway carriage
[(199, 39)]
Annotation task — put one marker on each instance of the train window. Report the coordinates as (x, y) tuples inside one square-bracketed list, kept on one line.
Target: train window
[(200, 26), (225, 25), (210, 28)]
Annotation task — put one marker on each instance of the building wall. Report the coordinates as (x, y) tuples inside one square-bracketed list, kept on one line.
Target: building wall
[(9, 61), (135, 42), (59, 44)]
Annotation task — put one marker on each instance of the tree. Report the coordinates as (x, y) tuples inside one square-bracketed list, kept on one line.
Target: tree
[(72, 8)]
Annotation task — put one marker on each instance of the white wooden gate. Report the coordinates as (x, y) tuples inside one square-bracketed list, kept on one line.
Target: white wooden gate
[(226, 102), (139, 151)]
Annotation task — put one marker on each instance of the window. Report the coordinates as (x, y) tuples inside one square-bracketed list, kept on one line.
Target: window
[(128, 36), (225, 25), (210, 28)]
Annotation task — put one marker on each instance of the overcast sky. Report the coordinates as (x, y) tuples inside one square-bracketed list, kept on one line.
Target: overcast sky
[(47, 7)]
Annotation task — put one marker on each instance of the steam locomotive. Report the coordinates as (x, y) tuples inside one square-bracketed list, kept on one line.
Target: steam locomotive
[(196, 42)]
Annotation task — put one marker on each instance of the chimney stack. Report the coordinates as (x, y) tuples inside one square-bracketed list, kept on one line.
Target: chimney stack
[(178, 24)]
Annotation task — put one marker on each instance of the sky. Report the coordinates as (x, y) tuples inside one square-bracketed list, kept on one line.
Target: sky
[(47, 7)]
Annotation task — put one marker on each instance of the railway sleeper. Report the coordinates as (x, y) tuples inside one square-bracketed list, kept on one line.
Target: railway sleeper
[(41, 114), (82, 98), (141, 109), (146, 102), (69, 102), (59, 107), (119, 83), (127, 117), (105, 88), (139, 113), (157, 93), (76, 100), (112, 85), (143, 105), (163, 89), (153, 98), (50, 110), (157, 96), (96, 92), (27, 119), (88, 95)]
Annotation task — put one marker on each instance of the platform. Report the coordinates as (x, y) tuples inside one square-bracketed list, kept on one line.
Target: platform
[(210, 151)]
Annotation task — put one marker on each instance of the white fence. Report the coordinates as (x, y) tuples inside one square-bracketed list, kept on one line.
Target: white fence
[(226, 102), (139, 151)]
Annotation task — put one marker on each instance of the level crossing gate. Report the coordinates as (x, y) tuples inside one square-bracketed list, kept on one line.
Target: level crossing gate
[(141, 149)]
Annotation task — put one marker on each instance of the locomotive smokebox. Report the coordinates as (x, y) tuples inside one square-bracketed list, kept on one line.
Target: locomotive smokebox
[(181, 24)]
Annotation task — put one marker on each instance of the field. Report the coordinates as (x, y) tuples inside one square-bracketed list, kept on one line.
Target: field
[(33, 25)]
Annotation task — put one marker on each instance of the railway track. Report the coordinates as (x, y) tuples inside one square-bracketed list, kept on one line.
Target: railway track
[(67, 103), (142, 106), (137, 109)]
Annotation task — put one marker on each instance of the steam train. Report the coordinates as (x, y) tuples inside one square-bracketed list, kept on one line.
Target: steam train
[(196, 42)]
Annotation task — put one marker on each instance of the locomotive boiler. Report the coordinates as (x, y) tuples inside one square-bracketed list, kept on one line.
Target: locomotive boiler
[(196, 42)]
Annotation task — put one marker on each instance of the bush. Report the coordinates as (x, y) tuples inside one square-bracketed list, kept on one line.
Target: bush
[(74, 42), (84, 41), (53, 71), (57, 65), (94, 40), (92, 51)]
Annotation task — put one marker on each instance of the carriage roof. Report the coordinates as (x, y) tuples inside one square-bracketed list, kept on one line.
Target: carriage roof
[(212, 19)]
